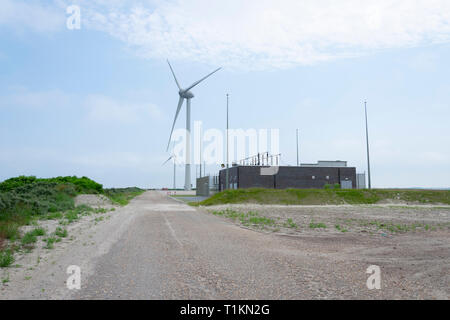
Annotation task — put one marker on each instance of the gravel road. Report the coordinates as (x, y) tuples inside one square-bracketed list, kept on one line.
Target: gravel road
[(160, 248)]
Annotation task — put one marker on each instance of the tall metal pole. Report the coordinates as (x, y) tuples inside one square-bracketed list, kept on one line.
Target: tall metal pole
[(226, 180), (200, 154), (187, 174), (174, 174), (297, 148), (367, 143)]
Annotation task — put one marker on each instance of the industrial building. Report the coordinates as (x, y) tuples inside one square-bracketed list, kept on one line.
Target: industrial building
[(305, 176), (250, 174)]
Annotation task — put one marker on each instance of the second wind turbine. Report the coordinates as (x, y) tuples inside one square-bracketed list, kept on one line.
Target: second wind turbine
[(188, 95)]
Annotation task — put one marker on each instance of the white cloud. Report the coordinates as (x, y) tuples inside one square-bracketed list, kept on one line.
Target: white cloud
[(269, 34), (31, 15), (258, 34), (105, 109)]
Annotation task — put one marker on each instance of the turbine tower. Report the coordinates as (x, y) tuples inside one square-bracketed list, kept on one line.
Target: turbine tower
[(174, 157), (186, 94)]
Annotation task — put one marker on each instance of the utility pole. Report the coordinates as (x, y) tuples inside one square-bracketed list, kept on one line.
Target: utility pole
[(200, 145), (297, 149), (367, 143), (174, 173), (226, 180)]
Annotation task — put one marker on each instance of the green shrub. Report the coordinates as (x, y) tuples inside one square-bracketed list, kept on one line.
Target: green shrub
[(39, 232), (28, 238), (31, 236), (6, 258), (83, 184), (50, 242), (60, 232), (9, 230)]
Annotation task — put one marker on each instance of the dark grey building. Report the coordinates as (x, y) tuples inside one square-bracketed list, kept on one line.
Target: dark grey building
[(306, 176)]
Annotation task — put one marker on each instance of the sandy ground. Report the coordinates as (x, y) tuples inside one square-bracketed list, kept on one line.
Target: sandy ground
[(161, 248), (382, 219), (40, 262)]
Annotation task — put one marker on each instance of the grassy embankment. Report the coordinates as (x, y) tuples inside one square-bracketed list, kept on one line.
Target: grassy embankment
[(324, 196), (23, 200)]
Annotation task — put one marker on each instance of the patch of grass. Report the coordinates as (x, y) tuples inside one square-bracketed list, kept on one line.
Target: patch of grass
[(50, 241), (246, 218), (6, 258), (260, 220), (396, 228), (71, 216), (60, 232), (319, 225), (83, 208), (324, 196), (101, 210), (122, 196), (28, 238), (54, 215), (31, 236), (39, 232), (340, 228), (9, 230), (290, 224)]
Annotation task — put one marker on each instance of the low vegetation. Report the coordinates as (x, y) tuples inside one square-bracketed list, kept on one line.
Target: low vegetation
[(317, 225), (26, 199), (122, 196), (6, 258), (326, 196), (255, 219), (246, 218)]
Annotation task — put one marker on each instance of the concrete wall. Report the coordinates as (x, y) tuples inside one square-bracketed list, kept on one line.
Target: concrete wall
[(202, 188)]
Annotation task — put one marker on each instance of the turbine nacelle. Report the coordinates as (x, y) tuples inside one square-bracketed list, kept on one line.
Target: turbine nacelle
[(185, 94)]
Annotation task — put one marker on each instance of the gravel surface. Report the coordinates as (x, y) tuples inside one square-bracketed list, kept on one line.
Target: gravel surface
[(160, 248)]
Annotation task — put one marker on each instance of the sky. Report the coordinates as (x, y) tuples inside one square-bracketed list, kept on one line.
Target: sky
[(99, 101)]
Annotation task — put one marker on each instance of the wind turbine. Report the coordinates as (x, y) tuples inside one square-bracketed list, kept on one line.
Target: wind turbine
[(174, 157), (188, 95)]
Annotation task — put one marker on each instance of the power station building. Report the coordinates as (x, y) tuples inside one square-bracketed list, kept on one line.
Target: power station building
[(305, 176)]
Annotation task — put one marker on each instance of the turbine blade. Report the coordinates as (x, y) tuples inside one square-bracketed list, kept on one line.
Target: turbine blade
[(180, 102), (167, 160), (173, 73), (197, 82)]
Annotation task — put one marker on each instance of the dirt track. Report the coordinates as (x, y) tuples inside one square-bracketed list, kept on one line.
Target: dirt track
[(160, 248)]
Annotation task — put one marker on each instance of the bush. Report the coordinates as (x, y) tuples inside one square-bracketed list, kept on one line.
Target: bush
[(82, 185), (36, 198), (6, 258), (9, 230), (337, 186)]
